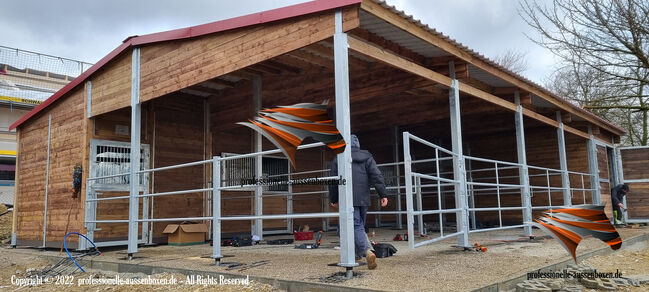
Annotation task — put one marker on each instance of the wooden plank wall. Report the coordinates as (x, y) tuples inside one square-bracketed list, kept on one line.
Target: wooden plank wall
[(178, 139), (66, 140), (635, 164), (171, 66), (111, 86)]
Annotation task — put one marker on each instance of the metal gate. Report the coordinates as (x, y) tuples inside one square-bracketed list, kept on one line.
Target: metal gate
[(633, 169)]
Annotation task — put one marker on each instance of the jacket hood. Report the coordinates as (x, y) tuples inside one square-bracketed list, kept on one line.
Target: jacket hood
[(360, 155), (355, 143)]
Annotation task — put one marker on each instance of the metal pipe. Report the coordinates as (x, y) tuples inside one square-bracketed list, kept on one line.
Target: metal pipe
[(408, 178)]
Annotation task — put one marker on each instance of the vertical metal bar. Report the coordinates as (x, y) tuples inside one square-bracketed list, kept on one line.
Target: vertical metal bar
[(439, 194), (523, 170), (346, 201), (563, 162), (395, 136), (500, 213), (593, 168), (420, 207), (136, 116), (216, 209), (620, 177), (459, 171), (407, 166), (47, 177), (470, 193), (547, 179), (583, 188), (289, 202), (259, 189)]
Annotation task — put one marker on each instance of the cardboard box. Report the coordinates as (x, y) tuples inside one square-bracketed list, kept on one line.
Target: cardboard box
[(185, 233)]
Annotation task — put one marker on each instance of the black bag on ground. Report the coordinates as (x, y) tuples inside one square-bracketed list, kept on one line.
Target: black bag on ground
[(242, 241), (384, 250)]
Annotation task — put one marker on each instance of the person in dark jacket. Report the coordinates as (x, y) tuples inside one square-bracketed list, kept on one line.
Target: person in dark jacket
[(365, 173), (617, 197)]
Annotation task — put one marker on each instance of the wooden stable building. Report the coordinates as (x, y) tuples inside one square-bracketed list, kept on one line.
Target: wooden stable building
[(177, 96)]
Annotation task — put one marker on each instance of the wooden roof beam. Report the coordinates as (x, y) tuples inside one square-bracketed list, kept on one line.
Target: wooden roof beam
[(384, 43), (398, 21), (408, 66)]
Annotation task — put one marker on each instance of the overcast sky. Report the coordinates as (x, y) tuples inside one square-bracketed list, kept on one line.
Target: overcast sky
[(88, 30)]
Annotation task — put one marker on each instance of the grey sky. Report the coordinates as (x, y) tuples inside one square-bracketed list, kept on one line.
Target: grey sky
[(88, 30)]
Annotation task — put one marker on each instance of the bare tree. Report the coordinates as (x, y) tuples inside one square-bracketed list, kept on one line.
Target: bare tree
[(516, 61), (604, 45)]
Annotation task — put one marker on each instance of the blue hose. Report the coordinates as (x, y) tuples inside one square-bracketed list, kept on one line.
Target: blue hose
[(65, 245)]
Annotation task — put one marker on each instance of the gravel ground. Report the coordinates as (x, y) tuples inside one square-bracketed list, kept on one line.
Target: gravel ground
[(631, 261), (17, 264), (434, 267)]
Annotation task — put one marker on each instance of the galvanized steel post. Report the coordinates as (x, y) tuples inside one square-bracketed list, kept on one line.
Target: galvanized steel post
[(134, 182), (459, 170), (593, 168), (407, 166), (523, 170), (259, 189), (346, 200), (563, 162), (216, 210)]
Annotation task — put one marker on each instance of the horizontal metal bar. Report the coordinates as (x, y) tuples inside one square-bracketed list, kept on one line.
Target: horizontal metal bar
[(430, 177), (108, 176), (487, 209), (291, 182), (255, 154), (636, 181), (497, 228), (493, 185), (437, 239), (431, 212), (637, 220), (422, 141), (281, 216), (175, 219), (633, 147), (175, 193), (107, 221), (493, 161), (108, 198), (300, 173), (188, 164), (387, 212), (115, 243)]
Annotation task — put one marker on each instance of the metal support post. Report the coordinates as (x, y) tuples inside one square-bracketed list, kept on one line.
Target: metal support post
[(563, 162), (47, 177), (134, 182), (346, 201), (593, 168), (407, 166), (523, 170), (620, 177), (216, 210), (395, 136), (459, 170), (258, 226)]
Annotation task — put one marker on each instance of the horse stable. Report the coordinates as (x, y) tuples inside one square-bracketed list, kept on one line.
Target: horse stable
[(464, 144)]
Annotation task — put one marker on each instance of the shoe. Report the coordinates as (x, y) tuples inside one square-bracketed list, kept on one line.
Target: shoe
[(371, 259)]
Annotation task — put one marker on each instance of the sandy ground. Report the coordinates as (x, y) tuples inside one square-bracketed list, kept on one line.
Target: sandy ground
[(631, 261), (435, 267)]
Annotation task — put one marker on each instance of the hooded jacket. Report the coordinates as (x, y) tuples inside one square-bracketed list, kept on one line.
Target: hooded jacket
[(365, 173)]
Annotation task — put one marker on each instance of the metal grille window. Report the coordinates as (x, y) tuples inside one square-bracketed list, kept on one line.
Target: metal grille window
[(241, 171), (111, 158)]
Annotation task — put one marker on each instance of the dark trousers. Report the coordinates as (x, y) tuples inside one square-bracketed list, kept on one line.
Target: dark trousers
[(360, 237)]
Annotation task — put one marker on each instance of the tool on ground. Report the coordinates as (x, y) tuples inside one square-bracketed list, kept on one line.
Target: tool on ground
[(316, 244), (255, 264), (479, 247), (398, 237), (280, 241)]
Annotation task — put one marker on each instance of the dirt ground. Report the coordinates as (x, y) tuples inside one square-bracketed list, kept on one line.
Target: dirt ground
[(630, 261), (435, 267)]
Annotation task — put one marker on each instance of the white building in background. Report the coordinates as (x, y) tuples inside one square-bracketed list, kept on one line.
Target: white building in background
[(26, 79)]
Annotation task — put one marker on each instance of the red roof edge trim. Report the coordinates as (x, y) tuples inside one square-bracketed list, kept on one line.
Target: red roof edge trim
[(189, 32)]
